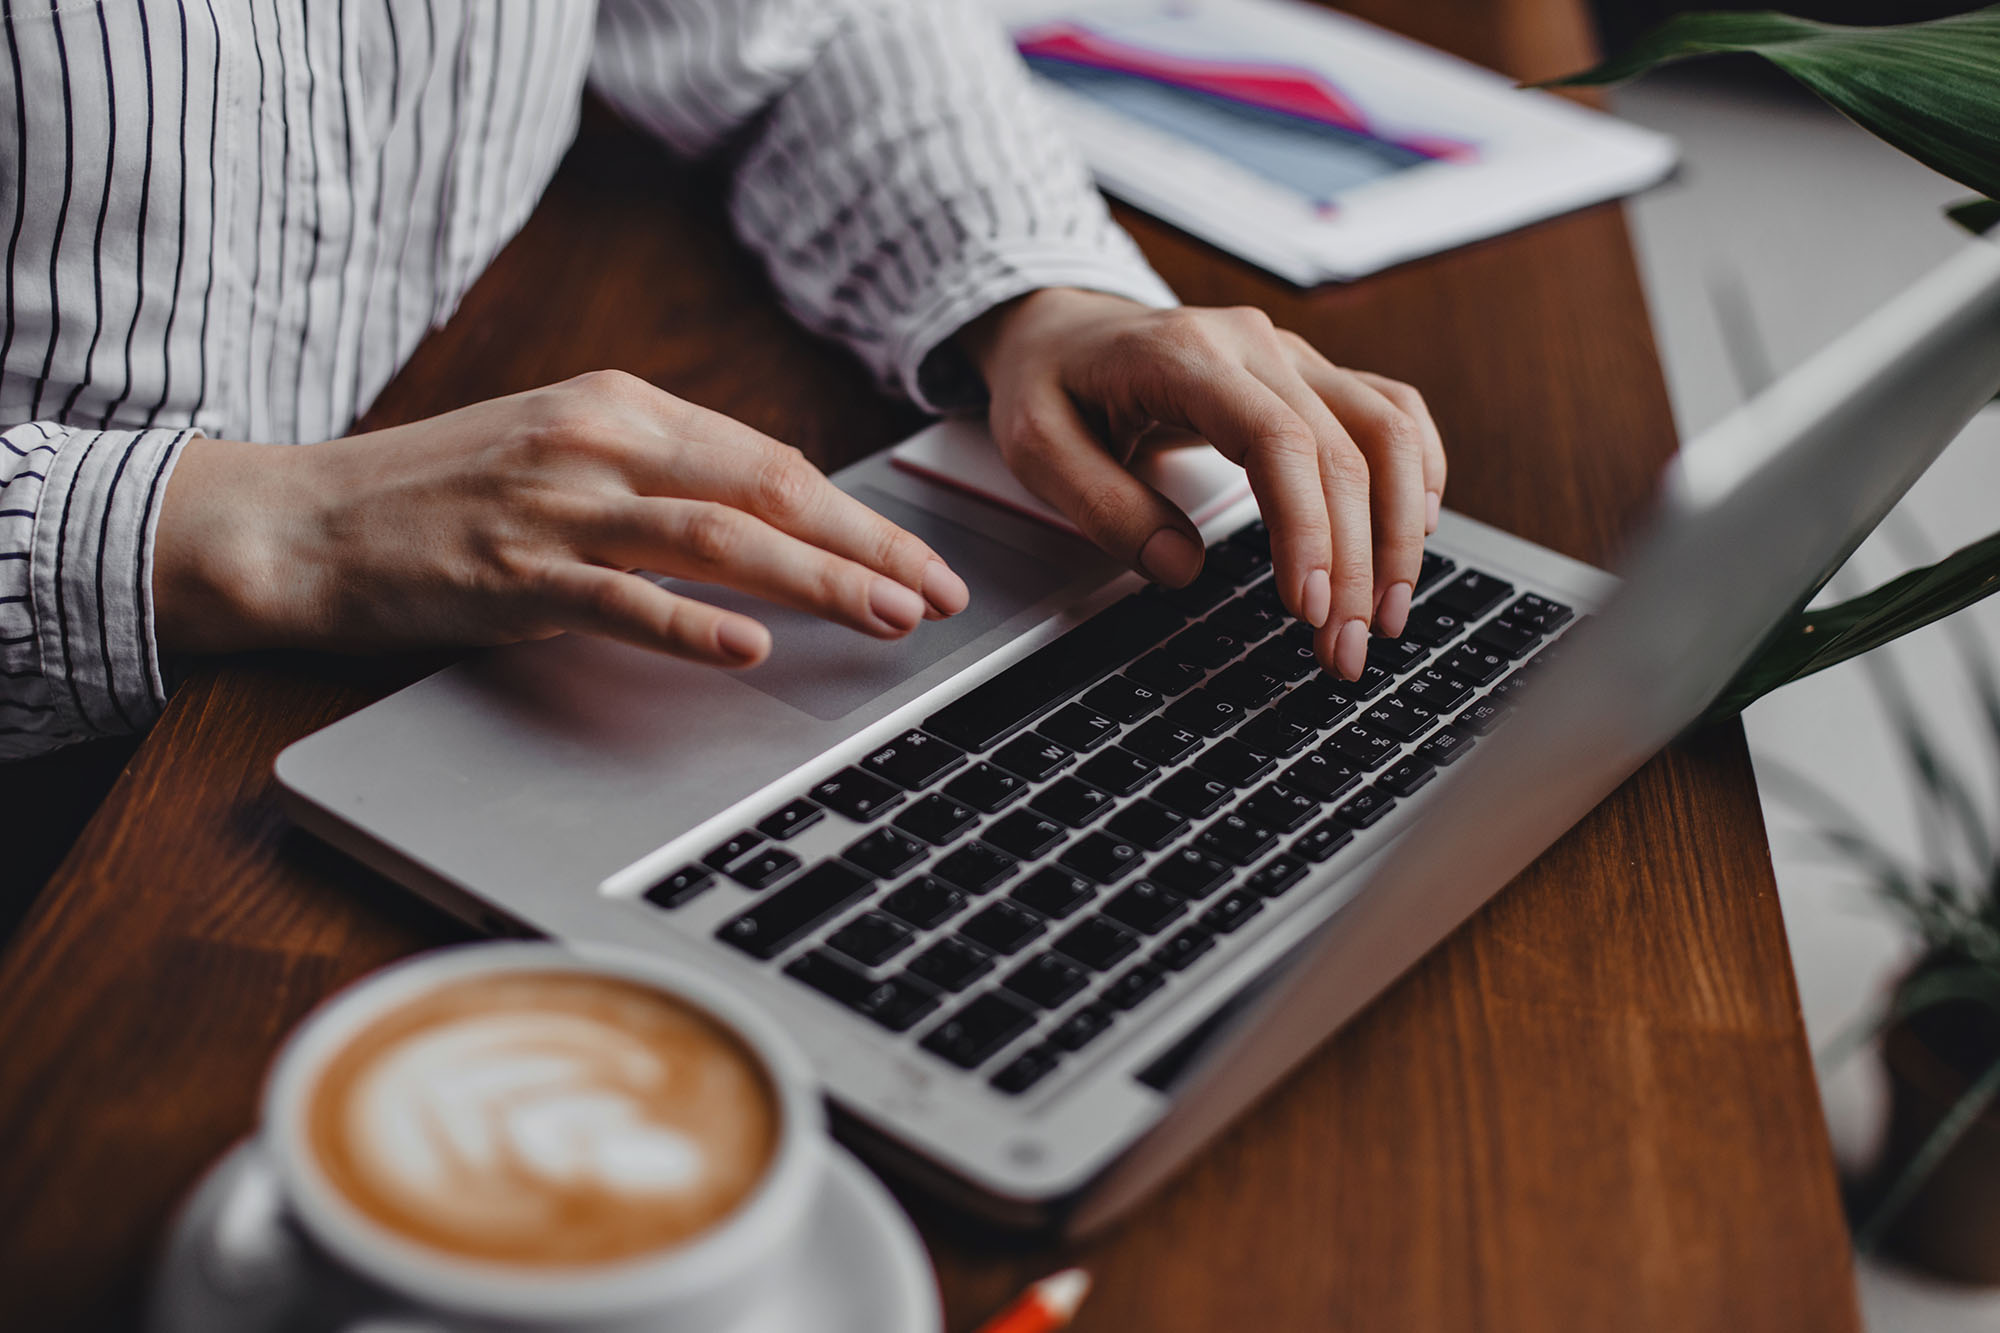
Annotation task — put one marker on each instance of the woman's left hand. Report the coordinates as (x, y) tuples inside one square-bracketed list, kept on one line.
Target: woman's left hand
[(1347, 466)]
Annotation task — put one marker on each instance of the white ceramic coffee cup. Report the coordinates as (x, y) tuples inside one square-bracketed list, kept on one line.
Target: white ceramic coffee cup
[(706, 1283)]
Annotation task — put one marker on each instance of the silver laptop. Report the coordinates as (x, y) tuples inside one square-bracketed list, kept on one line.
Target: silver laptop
[(1052, 890)]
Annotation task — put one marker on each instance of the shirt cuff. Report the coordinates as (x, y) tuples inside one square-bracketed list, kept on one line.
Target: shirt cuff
[(91, 570), (933, 370)]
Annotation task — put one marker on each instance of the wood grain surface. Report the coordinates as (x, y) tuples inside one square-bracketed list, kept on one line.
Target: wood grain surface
[(1593, 1108)]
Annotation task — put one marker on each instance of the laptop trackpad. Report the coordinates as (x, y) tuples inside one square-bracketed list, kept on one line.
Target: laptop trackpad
[(828, 670)]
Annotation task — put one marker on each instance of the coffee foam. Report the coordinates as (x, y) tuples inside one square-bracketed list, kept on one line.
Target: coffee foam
[(544, 1118)]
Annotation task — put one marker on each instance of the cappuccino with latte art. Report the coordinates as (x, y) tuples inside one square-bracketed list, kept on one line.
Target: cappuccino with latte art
[(543, 1119)]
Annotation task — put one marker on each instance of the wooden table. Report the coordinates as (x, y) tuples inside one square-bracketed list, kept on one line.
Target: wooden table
[(1592, 1108)]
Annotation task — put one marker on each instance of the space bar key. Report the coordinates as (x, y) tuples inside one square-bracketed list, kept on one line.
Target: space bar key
[(773, 925), (1047, 676)]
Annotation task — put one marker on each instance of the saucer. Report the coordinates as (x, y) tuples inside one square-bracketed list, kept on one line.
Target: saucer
[(862, 1269)]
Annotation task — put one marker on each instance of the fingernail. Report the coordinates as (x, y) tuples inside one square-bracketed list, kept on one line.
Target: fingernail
[(1169, 557), (944, 590), (894, 605), (1317, 600), (1350, 650), (743, 640), (1432, 503), (1394, 613)]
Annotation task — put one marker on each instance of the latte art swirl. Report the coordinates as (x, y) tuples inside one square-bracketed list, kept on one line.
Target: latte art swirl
[(545, 1118)]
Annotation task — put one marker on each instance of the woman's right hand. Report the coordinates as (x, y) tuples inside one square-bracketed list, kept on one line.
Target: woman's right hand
[(522, 518)]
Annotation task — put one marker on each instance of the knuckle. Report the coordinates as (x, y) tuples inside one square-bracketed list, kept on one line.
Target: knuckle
[(1186, 334), (1400, 435), (785, 483), (709, 536), (1252, 319), (1287, 435), (1347, 469)]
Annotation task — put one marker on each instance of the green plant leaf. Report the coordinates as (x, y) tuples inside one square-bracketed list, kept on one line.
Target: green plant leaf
[(1931, 89), (1977, 216), (1812, 641)]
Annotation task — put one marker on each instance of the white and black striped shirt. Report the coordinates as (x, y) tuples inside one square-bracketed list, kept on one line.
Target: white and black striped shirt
[(238, 218)]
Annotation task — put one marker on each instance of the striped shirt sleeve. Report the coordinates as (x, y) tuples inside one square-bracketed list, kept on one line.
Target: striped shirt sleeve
[(893, 164), (77, 512)]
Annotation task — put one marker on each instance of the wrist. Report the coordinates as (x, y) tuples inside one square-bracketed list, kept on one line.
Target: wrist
[(227, 569), (1002, 334)]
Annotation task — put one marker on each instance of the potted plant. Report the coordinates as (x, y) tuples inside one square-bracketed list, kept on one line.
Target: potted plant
[(1931, 89)]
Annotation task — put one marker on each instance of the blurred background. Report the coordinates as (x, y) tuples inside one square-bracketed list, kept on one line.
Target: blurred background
[(1786, 224)]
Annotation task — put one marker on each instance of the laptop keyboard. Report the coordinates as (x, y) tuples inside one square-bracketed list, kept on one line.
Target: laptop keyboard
[(1040, 857)]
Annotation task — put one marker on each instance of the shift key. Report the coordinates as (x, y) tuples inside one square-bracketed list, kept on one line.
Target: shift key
[(779, 921)]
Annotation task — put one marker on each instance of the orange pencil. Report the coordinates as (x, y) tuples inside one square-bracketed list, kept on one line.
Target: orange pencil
[(1048, 1305)]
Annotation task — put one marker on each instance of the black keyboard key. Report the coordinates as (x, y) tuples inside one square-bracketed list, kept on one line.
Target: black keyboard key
[(1436, 690), (1317, 704), (1366, 808), (789, 818), (1472, 594), (1162, 742), (925, 902), (982, 715), (1192, 794), (1070, 802), (1396, 656), (1532, 611), (1435, 567), (1481, 718), (1472, 664), (1135, 986), (1124, 699), (984, 787), (1204, 646), (684, 885), (914, 760), (1237, 840), (1361, 747), (1082, 1027), (1025, 834), (1286, 658), (1003, 927), (1397, 718), (1025, 1070), (1145, 907), (1447, 747), (760, 870), (976, 1032), (937, 819), (734, 850), (1323, 774), (1033, 756), (1433, 625), (1275, 876), (871, 939), (1079, 728), (773, 925), (1322, 840), (834, 978), (1118, 771), (886, 852), (1206, 713), (1239, 562), (1047, 980), (1248, 620), (1275, 735), (975, 867), (1406, 775), (1208, 591), (952, 963), (1055, 892), (1159, 672), (1246, 685), (1231, 911), (1280, 807), (1184, 947), (1147, 823), (1101, 857), (1190, 873), (1507, 638), (1097, 944), (1230, 760), (901, 1002), (860, 796)]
